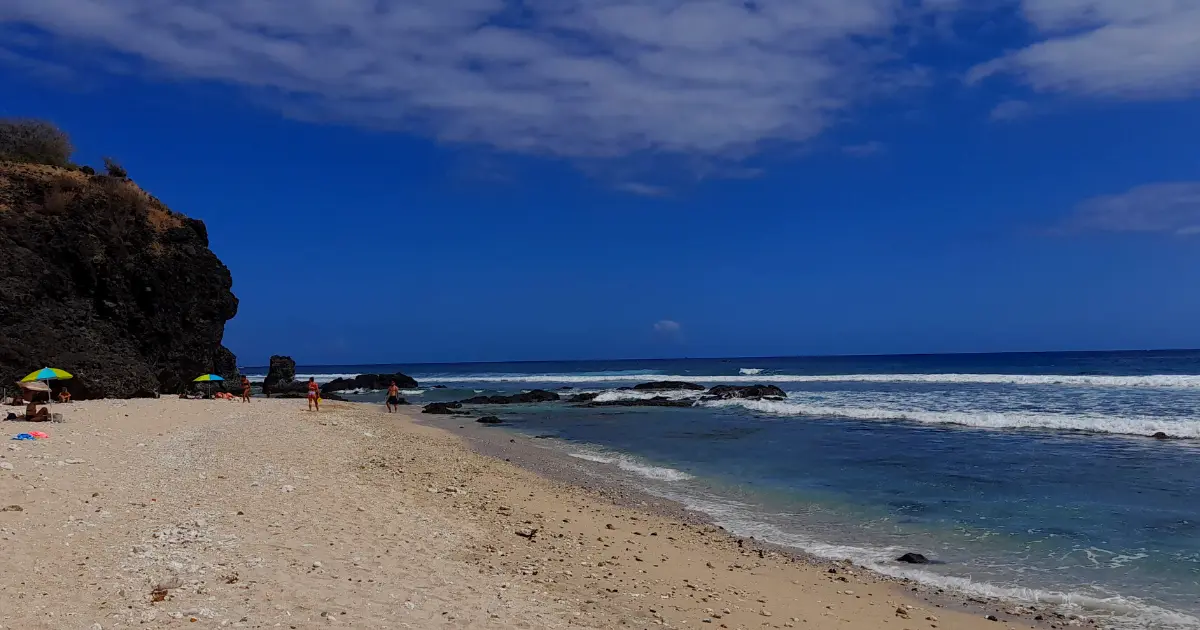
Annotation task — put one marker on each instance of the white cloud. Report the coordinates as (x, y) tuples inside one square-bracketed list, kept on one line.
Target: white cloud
[(864, 150), (575, 78), (643, 190), (667, 327), (1171, 208), (1134, 49), (1010, 110)]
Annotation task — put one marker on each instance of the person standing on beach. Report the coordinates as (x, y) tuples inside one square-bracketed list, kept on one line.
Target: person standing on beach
[(314, 394), (245, 389), (393, 399)]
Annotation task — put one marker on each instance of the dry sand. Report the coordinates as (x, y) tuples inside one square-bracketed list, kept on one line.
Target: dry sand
[(264, 515)]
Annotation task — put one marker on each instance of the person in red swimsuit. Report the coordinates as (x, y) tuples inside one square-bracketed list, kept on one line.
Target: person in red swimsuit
[(245, 389), (314, 394)]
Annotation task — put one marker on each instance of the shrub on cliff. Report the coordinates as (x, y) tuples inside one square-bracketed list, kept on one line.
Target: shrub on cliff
[(34, 142), (115, 169)]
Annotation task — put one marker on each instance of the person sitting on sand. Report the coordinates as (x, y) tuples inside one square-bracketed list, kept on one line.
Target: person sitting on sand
[(314, 394), (245, 389), (64, 396), (34, 414), (393, 398)]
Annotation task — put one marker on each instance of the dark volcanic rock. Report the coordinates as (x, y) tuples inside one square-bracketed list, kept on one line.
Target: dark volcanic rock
[(101, 279), (439, 387), (535, 396), (1163, 436), (281, 377), (370, 381), (585, 397), (441, 408), (657, 401), (666, 386), (490, 420), (913, 558), (750, 392)]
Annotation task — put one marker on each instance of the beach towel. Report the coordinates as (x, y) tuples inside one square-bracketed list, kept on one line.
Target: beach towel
[(23, 436), (39, 435)]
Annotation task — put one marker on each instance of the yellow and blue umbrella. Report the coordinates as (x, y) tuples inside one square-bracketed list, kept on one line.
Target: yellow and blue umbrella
[(47, 374), (207, 378)]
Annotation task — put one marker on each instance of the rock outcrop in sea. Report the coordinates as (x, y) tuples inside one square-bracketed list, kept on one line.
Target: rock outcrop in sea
[(99, 278), (281, 376), (370, 381)]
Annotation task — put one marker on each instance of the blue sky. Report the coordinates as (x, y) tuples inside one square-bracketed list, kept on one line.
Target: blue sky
[(461, 180)]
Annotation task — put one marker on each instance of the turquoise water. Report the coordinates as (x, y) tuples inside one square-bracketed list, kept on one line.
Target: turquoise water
[(1028, 476)]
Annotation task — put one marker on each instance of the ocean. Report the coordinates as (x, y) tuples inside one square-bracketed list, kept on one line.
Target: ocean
[(1030, 477)]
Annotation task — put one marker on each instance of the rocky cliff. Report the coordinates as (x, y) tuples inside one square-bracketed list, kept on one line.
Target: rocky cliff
[(99, 278)]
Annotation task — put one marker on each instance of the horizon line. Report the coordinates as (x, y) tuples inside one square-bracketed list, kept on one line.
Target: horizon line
[(757, 358)]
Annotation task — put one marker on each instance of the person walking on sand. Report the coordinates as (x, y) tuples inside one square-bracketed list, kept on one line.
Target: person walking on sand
[(245, 389), (314, 394), (393, 399)]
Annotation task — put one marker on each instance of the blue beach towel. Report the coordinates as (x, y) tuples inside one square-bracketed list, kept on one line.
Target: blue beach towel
[(23, 436)]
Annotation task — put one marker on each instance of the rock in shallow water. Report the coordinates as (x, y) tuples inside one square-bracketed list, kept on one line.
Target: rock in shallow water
[(441, 408), (535, 396), (370, 381), (750, 392), (657, 401), (490, 420), (913, 558)]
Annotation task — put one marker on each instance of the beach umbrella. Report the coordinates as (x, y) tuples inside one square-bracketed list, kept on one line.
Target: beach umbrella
[(207, 378), (47, 374)]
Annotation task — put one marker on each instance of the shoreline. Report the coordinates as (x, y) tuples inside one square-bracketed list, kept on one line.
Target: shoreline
[(609, 483), (164, 513)]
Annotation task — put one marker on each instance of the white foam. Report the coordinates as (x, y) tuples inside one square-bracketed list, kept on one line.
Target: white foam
[(320, 378), (1117, 612), (1096, 423), (1184, 381), (750, 371), (629, 464)]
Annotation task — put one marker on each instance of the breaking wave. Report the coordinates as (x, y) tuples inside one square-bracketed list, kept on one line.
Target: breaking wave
[(1185, 381), (630, 464), (1092, 423)]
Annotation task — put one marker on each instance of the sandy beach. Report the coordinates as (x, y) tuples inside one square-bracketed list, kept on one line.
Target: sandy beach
[(147, 513)]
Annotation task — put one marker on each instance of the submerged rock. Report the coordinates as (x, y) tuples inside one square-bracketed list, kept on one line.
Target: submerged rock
[(667, 386), (490, 420), (748, 392), (1163, 436), (444, 408), (913, 558), (582, 398)]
